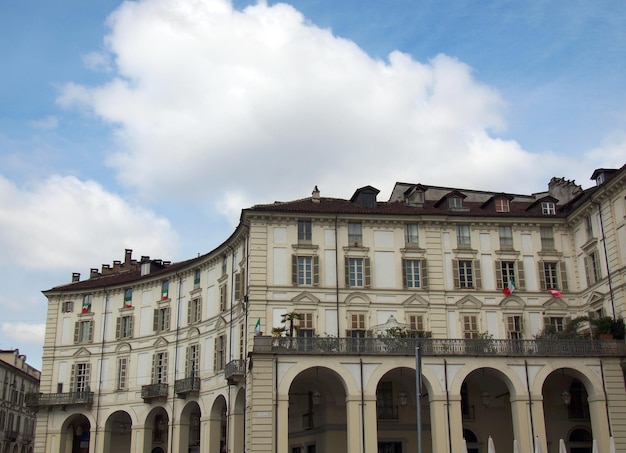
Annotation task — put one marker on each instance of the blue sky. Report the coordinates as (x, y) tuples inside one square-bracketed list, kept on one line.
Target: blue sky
[(150, 125)]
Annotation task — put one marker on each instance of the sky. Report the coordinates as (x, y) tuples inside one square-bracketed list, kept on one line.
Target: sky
[(150, 124)]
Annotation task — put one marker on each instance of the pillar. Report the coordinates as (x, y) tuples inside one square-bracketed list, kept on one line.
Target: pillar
[(439, 423)]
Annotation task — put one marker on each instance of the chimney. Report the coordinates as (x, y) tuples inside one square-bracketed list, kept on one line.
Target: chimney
[(315, 196), (93, 272), (75, 277), (128, 254)]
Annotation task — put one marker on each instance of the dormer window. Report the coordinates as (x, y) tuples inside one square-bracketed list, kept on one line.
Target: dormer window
[(548, 208), (455, 203), (502, 205)]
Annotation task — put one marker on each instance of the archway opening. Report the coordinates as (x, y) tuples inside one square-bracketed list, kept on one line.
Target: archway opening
[(77, 434), (118, 430)]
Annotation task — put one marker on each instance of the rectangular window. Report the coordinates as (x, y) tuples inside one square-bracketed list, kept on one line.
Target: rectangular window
[(223, 298), (80, 377), (556, 322), (502, 205), (194, 311), (128, 297), (67, 307), (550, 275), (304, 231), (410, 234), (165, 289), (588, 227), (305, 325), (416, 323), (87, 301), (124, 327), (506, 238), (470, 326), (224, 265), (161, 321), (514, 327), (192, 360), (305, 270), (592, 268), (464, 270), (196, 278), (357, 272), (122, 373), (219, 358), (357, 325), (506, 276), (355, 234), (83, 332), (412, 275), (455, 203), (159, 368), (547, 238), (548, 208), (463, 236)]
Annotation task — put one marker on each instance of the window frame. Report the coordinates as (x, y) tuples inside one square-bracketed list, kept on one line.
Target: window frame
[(548, 208), (502, 205), (411, 234), (305, 231), (463, 236), (355, 233), (505, 236)]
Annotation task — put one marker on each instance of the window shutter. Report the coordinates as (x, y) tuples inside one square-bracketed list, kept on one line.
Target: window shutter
[(347, 271), (118, 328), (187, 361), (294, 269), (154, 358), (167, 318), (367, 272), (164, 367), (87, 377), (521, 280), (131, 323), (155, 320), (316, 270), (477, 277), (499, 283), (198, 309), (237, 288), (587, 270), (90, 336), (215, 353), (423, 274), (563, 276), (73, 378), (189, 311), (542, 276), (76, 331), (404, 273), (455, 273)]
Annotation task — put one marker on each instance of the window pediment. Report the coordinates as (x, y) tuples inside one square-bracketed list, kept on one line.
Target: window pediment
[(415, 301), (555, 304), (358, 299), (160, 342), (305, 298), (512, 303), (82, 352), (469, 302)]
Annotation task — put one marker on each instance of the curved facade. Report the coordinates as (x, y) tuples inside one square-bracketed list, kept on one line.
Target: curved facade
[(300, 332)]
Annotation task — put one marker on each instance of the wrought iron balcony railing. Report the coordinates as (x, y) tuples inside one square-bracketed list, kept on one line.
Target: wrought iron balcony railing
[(441, 347), (235, 371), (11, 435), (187, 386), (59, 399), (152, 392)]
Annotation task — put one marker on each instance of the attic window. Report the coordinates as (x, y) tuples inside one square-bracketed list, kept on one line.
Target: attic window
[(502, 205), (368, 200), (455, 203), (600, 179), (548, 208)]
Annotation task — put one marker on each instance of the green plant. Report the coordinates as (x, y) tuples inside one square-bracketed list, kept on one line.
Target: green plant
[(607, 325), (289, 318)]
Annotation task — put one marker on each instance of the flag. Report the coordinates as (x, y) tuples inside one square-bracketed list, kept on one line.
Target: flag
[(555, 293), (257, 327), (510, 287)]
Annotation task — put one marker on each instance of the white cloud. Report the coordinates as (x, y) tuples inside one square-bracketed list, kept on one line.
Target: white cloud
[(49, 122), (24, 332), (211, 101), (65, 223), (98, 61)]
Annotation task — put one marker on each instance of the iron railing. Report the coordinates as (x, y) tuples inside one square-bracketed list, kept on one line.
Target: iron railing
[(187, 385), (154, 391), (11, 435), (235, 370), (441, 347), (58, 399)]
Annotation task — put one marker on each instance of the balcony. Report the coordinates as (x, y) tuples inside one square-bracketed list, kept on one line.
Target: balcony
[(187, 387), (154, 392), (441, 347), (11, 435), (59, 399), (235, 371)]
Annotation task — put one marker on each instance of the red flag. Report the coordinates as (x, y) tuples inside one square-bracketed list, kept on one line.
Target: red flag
[(506, 291), (555, 293)]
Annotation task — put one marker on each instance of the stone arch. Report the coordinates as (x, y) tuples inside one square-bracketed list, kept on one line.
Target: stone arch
[(157, 429), (428, 376), (291, 370), (510, 378), (190, 428), (584, 374), (75, 431), (117, 432)]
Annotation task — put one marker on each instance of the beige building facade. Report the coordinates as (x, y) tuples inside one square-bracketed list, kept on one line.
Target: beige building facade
[(303, 331)]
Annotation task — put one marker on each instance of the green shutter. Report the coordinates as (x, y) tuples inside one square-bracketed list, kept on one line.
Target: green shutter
[(521, 280), (423, 274), (499, 280), (563, 277), (316, 270), (367, 269), (477, 276)]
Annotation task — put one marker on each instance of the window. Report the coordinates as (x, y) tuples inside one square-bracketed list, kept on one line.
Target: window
[(410, 234), (552, 275), (196, 278), (466, 274), (159, 368), (547, 238), (87, 301), (223, 298), (128, 297), (557, 323), (463, 236), (588, 227), (304, 231), (124, 327), (219, 358), (509, 272), (502, 205), (83, 332), (455, 203), (224, 265), (385, 408), (122, 374), (414, 274), (194, 310), (355, 234), (506, 237), (305, 270), (80, 377), (161, 320), (514, 327), (67, 307), (548, 208), (192, 360), (592, 267), (357, 272), (470, 326), (165, 290), (357, 325), (305, 325), (416, 324)]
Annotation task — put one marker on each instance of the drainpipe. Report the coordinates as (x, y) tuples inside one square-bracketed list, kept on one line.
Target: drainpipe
[(445, 374), (104, 325), (606, 399), (530, 403), (275, 404), (606, 257), (337, 273), (178, 310)]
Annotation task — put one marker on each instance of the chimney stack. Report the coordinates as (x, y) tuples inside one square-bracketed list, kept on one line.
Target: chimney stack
[(75, 277), (315, 196)]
